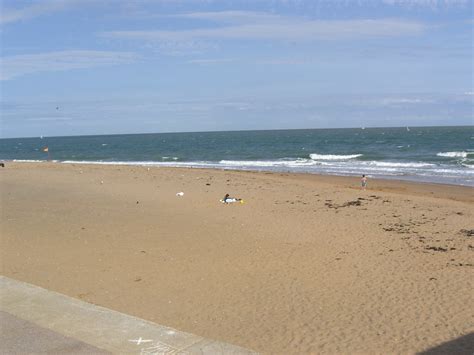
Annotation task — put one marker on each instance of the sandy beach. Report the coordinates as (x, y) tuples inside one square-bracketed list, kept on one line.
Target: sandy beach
[(308, 264)]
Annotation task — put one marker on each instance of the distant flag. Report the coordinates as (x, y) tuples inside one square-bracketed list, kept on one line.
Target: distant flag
[(46, 149)]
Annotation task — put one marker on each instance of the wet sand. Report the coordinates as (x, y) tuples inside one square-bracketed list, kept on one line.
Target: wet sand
[(307, 264)]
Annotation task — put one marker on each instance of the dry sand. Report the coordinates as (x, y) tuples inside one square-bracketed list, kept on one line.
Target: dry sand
[(306, 264)]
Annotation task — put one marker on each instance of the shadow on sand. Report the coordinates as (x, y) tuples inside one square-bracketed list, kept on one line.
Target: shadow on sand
[(459, 346)]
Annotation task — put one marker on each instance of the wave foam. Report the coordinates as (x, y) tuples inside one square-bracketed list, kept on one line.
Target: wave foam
[(463, 175), (140, 163), (453, 154), (315, 156), (169, 158), (28, 161), (269, 163), (400, 165)]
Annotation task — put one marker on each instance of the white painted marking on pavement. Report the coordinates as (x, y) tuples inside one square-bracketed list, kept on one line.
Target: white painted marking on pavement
[(140, 340)]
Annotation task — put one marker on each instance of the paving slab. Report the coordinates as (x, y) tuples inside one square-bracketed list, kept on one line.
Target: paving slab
[(49, 315), (18, 336)]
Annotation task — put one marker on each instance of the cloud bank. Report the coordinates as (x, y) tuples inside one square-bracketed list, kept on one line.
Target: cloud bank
[(38, 8), (18, 65), (241, 25)]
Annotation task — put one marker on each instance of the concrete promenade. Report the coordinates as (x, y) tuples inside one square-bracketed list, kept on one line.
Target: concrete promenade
[(35, 320)]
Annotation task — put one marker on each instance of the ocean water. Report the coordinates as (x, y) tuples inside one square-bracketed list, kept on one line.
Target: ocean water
[(431, 154)]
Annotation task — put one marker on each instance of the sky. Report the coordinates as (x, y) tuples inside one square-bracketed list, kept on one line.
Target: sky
[(81, 67)]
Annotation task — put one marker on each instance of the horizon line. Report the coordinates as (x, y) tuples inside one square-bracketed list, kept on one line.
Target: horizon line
[(236, 130)]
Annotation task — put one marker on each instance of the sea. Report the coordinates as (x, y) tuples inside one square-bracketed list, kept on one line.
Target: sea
[(427, 154)]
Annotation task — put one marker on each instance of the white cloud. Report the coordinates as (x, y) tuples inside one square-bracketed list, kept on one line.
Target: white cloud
[(37, 8), (18, 65), (239, 25), (178, 48), (49, 119), (402, 101), (44, 7), (233, 16), (287, 61), (434, 4), (211, 61)]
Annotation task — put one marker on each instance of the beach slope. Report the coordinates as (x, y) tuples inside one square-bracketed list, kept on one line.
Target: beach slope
[(307, 264)]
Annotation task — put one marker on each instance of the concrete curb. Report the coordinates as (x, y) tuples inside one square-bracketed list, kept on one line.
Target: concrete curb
[(101, 327)]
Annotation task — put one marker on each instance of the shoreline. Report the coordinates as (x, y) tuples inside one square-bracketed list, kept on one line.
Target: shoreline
[(385, 178), (308, 264)]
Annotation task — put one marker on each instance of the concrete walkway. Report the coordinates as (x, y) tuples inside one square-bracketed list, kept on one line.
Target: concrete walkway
[(36, 320), (18, 336)]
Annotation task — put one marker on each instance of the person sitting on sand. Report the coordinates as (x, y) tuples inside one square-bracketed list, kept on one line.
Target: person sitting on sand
[(363, 182)]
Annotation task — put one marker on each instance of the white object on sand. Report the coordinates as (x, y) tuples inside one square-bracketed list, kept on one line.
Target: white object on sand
[(231, 200), (180, 194)]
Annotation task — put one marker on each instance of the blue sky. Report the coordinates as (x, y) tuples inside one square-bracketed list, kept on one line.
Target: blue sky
[(73, 67)]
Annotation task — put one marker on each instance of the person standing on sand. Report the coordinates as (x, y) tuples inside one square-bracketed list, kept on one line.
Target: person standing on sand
[(363, 182)]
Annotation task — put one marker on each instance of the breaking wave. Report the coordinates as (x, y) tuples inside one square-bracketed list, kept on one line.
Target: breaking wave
[(315, 156), (271, 163), (459, 174), (28, 161), (399, 165), (453, 154)]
